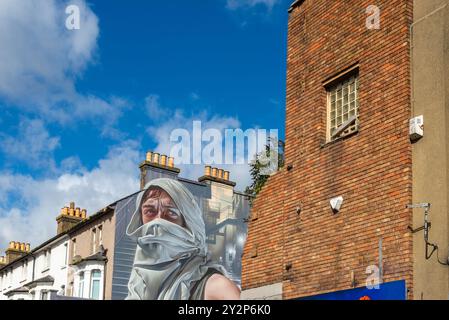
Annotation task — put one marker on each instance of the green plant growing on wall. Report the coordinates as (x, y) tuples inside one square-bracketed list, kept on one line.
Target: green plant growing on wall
[(257, 168)]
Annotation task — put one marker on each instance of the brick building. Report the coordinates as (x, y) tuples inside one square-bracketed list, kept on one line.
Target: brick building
[(351, 92)]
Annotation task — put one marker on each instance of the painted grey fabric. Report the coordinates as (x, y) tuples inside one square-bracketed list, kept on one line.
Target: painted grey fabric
[(169, 259)]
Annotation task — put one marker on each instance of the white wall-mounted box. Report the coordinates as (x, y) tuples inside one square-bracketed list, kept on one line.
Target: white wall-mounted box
[(416, 128)]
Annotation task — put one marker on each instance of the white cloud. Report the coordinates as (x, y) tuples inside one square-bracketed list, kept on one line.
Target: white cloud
[(194, 96), (237, 4), (29, 206), (153, 107), (32, 144), (176, 119), (41, 60), (38, 52)]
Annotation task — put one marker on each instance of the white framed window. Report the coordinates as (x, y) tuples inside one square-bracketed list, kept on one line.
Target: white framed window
[(24, 270), (81, 285), (343, 106), (73, 248), (47, 259), (100, 235), (95, 284), (66, 253), (44, 295)]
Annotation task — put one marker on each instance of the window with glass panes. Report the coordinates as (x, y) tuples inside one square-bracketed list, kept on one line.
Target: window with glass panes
[(81, 286), (94, 240), (24, 270), (47, 257), (95, 285), (343, 107)]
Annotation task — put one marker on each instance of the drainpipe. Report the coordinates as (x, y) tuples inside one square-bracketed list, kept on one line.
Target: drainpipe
[(34, 269)]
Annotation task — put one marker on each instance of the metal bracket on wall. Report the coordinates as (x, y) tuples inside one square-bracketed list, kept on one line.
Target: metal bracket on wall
[(418, 229), (429, 246)]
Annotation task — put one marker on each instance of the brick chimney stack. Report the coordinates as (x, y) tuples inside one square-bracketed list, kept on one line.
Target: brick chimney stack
[(216, 175), (157, 166), (2, 261), (15, 251), (70, 216)]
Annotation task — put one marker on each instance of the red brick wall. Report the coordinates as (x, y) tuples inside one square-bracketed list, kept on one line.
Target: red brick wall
[(371, 170), (265, 237)]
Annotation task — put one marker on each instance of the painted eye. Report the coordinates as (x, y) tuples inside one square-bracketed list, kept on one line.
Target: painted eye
[(174, 213), (149, 211)]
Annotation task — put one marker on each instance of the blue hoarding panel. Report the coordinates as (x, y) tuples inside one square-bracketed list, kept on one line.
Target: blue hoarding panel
[(387, 291)]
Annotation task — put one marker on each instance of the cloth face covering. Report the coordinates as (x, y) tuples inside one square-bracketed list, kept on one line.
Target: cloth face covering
[(169, 259)]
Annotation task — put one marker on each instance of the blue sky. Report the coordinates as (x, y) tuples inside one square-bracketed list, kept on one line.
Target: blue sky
[(79, 108)]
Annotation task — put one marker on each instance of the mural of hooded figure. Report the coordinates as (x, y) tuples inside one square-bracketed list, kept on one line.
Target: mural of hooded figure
[(171, 260)]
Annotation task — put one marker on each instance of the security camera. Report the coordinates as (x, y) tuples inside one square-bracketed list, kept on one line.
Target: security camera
[(336, 204)]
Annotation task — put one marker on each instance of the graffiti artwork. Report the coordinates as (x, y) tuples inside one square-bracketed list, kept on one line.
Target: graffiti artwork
[(179, 239)]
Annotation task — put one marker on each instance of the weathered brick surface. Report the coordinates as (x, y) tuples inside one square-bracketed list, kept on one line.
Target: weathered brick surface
[(371, 170)]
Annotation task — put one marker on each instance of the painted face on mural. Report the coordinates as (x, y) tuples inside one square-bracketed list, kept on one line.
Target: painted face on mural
[(158, 204), (162, 209)]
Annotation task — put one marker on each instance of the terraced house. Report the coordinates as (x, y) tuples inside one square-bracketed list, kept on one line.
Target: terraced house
[(46, 271)]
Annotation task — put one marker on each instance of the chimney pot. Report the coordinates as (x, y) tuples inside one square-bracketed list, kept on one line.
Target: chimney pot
[(64, 223), (220, 174), (207, 171), (171, 162), (226, 175), (83, 213), (15, 251), (164, 160), (27, 247), (156, 158), (214, 172), (149, 156)]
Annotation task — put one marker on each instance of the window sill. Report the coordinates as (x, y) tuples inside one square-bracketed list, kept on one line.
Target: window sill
[(330, 143)]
